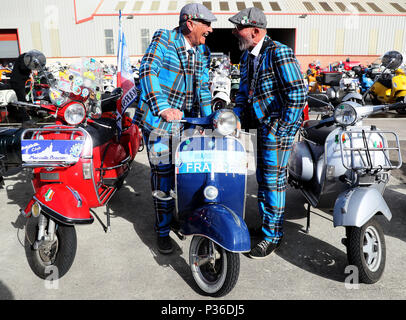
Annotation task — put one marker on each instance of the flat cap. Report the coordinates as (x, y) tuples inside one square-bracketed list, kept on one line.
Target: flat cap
[(250, 17), (196, 11)]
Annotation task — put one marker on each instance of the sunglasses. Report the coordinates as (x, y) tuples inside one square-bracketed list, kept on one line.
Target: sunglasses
[(208, 24), (240, 27)]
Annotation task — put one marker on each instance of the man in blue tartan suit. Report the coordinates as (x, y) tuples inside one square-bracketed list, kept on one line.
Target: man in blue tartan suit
[(271, 99), (174, 81)]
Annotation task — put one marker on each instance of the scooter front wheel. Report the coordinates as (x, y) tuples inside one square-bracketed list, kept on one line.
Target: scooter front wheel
[(214, 269), (367, 251), (52, 259), (219, 104)]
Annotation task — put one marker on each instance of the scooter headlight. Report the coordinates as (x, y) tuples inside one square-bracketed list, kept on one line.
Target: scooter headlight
[(210, 192), (225, 122), (74, 113), (345, 114)]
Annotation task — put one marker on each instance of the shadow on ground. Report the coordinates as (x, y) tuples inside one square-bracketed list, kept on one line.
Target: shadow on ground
[(136, 206), (5, 293)]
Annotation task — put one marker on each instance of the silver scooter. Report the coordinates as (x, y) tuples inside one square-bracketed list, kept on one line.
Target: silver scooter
[(339, 163)]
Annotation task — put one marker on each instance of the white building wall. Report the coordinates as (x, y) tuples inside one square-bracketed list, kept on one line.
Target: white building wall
[(57, 19)]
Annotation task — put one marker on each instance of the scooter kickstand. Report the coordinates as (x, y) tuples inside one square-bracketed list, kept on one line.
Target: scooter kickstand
[(308, 219), (94, 214), (108, 229)]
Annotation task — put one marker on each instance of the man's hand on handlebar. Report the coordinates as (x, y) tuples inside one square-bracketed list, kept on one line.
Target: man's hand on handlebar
[(172, 114)]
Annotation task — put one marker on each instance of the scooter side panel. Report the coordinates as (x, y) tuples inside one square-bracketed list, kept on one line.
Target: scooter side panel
[(355, 207), (221, 225), (63, 204)]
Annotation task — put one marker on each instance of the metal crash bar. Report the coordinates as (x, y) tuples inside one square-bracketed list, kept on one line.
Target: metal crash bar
[(366, 149)]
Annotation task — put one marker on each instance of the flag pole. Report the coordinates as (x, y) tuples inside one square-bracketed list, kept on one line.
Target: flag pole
[(119, 49)]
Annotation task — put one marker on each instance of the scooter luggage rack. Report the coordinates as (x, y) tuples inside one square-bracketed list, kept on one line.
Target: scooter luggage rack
[(367, 162), (36, 133)]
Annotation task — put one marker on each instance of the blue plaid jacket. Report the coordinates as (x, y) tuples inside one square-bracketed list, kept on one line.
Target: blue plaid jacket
[(163, 79), (280, 90)]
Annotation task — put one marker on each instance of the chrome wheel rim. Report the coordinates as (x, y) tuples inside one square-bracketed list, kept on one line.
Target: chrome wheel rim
[(372, 248)]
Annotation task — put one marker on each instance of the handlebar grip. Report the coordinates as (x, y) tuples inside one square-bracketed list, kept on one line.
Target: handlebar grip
[(398, 105), (325, 123)]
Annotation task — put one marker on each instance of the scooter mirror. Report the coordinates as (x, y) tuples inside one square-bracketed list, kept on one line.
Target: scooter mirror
[(392, 59)]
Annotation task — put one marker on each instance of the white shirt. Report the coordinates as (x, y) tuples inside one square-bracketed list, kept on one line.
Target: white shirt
[(188, 46), (255, 51)]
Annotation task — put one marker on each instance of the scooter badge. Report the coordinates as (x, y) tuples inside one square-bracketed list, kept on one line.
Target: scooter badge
[(49, 194)]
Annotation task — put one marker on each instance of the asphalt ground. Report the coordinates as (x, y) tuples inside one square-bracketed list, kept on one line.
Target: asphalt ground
[(124, 263)]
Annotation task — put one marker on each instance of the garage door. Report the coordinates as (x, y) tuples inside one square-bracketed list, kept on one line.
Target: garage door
[(9, 43)]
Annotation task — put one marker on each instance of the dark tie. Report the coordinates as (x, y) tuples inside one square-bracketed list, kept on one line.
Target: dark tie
[(251, 59), (249, 119), (189, 80)]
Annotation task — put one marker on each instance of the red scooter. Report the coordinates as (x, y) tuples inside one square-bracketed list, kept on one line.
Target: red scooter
[(78, 163)]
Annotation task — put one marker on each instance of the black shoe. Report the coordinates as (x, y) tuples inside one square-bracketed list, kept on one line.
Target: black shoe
[(263, 249), (165, 245)]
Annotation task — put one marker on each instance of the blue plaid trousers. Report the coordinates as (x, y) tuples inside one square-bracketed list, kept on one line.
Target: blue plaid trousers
[(159, 148), (272, 158)]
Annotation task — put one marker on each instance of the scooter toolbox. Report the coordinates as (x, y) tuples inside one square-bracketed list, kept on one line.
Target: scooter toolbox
[(331, 78)]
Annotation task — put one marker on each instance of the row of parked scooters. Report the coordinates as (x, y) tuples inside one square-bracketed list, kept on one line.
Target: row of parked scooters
[(80, 161), (379, 83), (224, 81)]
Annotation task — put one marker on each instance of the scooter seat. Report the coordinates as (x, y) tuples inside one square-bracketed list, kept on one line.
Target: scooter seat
[(4, 86), (99, 133), (316, 135), (318, 102), (386, 80)]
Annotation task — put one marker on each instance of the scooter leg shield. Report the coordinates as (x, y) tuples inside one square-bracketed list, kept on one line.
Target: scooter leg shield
[(355, 207), (63, 204), (219, 224)]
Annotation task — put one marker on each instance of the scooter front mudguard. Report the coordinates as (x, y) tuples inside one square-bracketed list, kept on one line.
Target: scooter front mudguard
[(61, 203), (357, 206), (221, 225), (352, 95)]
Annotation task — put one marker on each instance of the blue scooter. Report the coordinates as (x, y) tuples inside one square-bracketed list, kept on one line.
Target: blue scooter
[(363, 75), (210, 189)]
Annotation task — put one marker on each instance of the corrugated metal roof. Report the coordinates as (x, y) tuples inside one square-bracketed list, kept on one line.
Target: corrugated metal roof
[(364, 7)]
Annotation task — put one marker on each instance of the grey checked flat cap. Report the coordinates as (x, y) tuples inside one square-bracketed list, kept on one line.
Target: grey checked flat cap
[(250, 17), (196, 11)]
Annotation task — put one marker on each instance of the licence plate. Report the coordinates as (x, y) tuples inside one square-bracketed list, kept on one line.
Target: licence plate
[(51, 150), (206, 161)]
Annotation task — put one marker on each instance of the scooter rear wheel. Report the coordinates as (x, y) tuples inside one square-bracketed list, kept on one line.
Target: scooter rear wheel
[(55, 259), (367, 251), (217, 277)]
